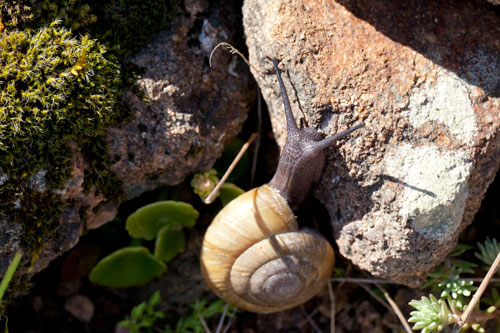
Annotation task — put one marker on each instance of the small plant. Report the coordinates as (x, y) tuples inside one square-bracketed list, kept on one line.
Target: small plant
[(4, 283), (199, 310), (489, 251), (135, 265), (204, 182), (144, 316), (433, 314)]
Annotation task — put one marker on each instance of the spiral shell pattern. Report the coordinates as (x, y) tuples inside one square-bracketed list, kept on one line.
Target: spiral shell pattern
[(254, 257)]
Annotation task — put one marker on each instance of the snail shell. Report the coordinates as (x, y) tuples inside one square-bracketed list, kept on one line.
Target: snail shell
[(254, 257)]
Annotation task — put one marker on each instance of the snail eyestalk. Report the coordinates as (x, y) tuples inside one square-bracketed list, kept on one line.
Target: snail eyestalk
[(302, 159)]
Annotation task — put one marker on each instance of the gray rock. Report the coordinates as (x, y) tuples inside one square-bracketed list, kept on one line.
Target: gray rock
[(424, 78)]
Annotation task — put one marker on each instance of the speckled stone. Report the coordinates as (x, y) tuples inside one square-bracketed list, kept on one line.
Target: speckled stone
[(424, 78)]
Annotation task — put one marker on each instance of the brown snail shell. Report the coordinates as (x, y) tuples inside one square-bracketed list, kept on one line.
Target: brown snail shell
[(254, 257)]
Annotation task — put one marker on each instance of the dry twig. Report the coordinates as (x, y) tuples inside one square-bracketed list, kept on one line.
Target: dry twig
[(310, 320), (204, 324), (395, 308), (221, 320), (482, 287), (332, 307), (233, 50), (221, 182), (257, 140)]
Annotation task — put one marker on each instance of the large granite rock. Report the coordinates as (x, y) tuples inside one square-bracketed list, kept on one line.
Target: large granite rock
[(424, 77), (184, 115)]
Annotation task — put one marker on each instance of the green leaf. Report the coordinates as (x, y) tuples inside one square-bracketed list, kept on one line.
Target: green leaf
[(228, 192), (148, 220), (138, 311), (127, 267), (155, 299), (169, 243)]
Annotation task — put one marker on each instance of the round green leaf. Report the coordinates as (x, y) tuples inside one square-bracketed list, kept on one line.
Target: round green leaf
[(127, 267), (228, 192), (148, 220), (169, 243)]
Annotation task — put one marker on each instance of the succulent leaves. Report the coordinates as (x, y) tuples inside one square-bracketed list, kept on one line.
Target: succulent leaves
[(127, 267), (135, 265)]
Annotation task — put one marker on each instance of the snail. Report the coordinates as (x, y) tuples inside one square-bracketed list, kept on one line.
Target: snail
[(253, 254)]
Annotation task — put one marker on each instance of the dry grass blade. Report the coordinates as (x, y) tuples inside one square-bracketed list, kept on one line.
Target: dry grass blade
[(310, 320), (395, 308), (231, 321), (375, 296), (359, 280), (257, 140), (204, 324), (221, 320), (332, 307), (482, 287), (232, 49), (373, 281), (221, 182)]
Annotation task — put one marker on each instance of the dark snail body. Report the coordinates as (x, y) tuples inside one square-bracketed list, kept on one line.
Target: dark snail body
[(302, 159), (254, 256)]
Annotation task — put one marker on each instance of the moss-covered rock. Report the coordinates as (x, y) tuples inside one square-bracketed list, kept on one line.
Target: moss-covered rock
[(22, 14), (58, 95), (54, 89)]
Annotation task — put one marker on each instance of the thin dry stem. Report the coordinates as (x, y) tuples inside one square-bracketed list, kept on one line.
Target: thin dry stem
[(204, 324), (310, 320), (359, 280), (221, 182), (375, 296), (332, 307), (231, 321), (395, 308), (257, 140), (221, 320), (232, 50), (372, 281), (482, 287)]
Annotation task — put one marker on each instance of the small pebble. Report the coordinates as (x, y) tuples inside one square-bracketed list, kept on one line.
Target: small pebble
[(81, 307)]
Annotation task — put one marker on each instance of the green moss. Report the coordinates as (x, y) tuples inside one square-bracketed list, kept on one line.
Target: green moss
[(59, 93), (123, 25), (55, 91), (74, 14), (14, 13), (22, 14)]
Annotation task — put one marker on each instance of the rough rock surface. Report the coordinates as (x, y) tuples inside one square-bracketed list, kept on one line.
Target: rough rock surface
[(424, 77), (187, 114), (192, 109)]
